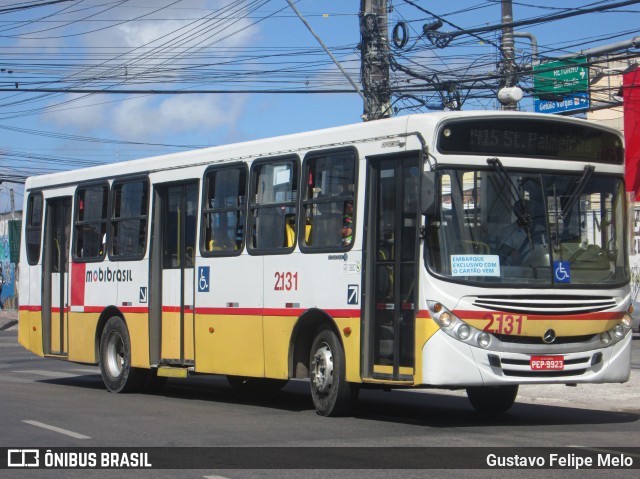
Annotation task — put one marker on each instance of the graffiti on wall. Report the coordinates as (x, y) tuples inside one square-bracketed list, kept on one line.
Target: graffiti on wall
[(8, 293)]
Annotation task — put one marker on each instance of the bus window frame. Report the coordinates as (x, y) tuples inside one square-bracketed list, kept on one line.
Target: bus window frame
[(75, 223), (204, 252), (114, 185), (251, 204), (310, 249), (27, 225)]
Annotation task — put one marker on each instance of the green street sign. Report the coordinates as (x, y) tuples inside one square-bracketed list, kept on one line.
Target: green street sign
[(561, 76)]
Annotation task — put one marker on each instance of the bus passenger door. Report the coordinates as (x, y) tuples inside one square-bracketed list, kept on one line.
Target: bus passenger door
[(173, 253), (391, 268), (55, 286)]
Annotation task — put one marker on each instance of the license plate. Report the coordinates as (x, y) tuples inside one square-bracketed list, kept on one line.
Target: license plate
[(547, 363)]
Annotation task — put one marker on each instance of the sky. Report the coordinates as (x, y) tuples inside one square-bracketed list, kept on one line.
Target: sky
[(239, 49)]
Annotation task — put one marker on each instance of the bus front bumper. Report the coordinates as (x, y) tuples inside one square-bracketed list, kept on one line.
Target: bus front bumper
[(450, 362)]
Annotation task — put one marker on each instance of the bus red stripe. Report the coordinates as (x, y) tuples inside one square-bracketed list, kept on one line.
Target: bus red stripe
[(228, 311), (336, 313), (29, 308)]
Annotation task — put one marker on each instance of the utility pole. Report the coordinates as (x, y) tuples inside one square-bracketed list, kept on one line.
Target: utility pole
[(374, 70), (508, 53)]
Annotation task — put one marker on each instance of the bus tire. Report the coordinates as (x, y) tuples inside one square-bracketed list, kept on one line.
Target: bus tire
[(255, 385), (115, 359), (492, 399), (332, 394)]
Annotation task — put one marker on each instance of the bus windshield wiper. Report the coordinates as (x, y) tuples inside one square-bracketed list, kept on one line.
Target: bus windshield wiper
[(576, 191), (524, 218)]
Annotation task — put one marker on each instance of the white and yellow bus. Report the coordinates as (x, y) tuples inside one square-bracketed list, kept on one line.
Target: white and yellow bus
[(461, 250)]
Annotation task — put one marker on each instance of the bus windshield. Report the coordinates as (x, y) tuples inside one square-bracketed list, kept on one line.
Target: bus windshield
[(497, 226)]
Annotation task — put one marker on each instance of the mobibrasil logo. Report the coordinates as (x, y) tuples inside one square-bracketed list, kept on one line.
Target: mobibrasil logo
[(108, 275)]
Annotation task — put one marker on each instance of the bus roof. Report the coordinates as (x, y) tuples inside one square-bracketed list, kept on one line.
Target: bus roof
[(281, 145)]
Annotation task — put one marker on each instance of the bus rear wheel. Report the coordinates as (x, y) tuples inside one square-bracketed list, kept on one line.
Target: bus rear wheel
[(332, 394), (115, 359), (492, 399)]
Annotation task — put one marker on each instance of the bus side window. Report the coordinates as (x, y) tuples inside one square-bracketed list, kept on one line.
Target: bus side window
[(274, 192), (223, 214), (329, 200), (33, 227), (90, 222), (130, 200)]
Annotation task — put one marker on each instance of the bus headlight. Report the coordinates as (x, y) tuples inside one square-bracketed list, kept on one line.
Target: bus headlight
[(445, 319), (617, 333), (483, 340), (463, 331), (456, 328)]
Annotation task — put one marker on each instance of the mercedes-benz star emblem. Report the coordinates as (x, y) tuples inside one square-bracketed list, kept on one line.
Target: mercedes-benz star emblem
[(549, 336)]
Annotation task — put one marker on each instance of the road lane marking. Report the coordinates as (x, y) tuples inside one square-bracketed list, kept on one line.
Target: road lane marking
[(56, 429), (49, 374), (9, 379)]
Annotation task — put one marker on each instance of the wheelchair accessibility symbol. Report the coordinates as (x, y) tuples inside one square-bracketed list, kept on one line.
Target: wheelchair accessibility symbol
[(203, 279), (561, 271)]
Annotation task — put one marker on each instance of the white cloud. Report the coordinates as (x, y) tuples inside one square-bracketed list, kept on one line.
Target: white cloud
[(174, 31), (82, 113), (149, 118), (190, 23)]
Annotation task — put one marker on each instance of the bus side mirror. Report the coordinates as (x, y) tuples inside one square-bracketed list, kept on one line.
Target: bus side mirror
[(428, 194)]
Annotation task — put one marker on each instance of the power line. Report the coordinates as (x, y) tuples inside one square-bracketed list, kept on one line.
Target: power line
[(32, 5), (129, 91)]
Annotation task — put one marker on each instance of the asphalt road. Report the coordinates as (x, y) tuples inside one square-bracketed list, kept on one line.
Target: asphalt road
[(46, 403)]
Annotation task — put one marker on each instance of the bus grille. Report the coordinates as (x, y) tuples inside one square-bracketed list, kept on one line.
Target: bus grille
[(551, 305), (506, 338)]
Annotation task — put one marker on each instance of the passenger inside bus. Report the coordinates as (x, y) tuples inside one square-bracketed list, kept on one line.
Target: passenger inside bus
[(347, 223)]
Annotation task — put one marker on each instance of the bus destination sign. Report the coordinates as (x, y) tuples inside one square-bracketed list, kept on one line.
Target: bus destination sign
[(530, 138)]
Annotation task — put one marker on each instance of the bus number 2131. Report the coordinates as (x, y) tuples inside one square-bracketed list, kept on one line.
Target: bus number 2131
[(286, 281), (504, 323)]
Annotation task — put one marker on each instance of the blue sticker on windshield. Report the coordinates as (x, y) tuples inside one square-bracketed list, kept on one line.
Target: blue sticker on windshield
[(562, 272)]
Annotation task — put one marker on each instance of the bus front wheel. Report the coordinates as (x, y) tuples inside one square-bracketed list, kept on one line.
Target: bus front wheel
[(332, 394), (492, 399), (115, 359)]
